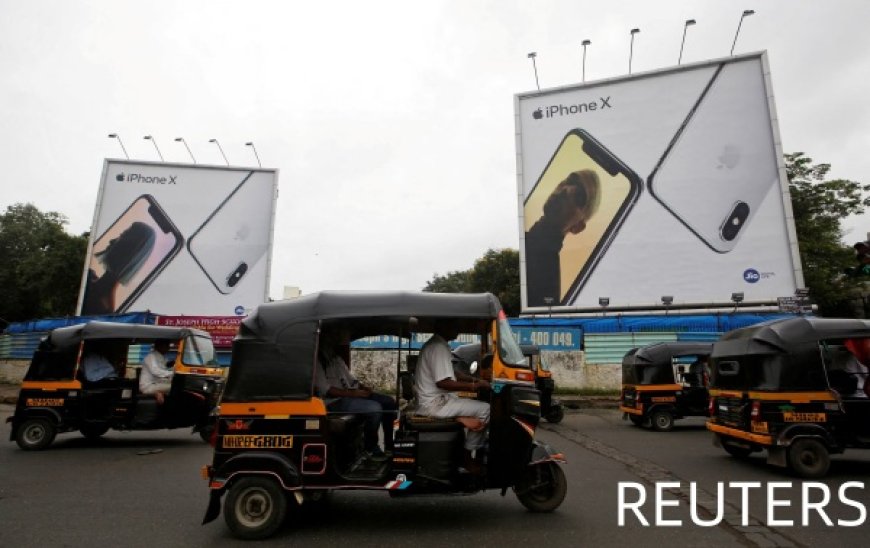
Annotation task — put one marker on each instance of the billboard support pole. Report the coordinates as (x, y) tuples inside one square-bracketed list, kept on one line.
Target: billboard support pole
[(746, 13)]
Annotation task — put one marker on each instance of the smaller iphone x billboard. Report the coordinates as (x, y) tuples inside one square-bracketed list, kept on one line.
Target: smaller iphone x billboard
[(179, 239)]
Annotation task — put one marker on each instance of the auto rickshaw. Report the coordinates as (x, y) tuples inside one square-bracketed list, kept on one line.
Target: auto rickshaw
[(56, 397), (276, 443), (663, 382), (794, 387)]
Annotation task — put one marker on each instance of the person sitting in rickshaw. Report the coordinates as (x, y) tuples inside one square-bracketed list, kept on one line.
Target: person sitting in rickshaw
[(155, 378), (103, 363), (333, 379), (435, 383)]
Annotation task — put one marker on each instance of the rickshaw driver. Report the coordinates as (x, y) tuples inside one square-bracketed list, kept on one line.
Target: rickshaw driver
[(333, 379), (435, 382)]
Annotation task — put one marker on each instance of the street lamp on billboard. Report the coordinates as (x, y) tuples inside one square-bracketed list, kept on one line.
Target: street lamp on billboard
[(257, 156), (631, 48), (549, 302), (150, 138), (532, 56), (689, 22), (181, 140), (220, 148), (584, 44), (746, 13), (667, 301), (118, 137), (737, 298)]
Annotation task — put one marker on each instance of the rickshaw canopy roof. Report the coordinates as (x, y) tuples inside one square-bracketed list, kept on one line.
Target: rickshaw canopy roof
[(67, 337), (663, 353), (782, 335), (387, 307)]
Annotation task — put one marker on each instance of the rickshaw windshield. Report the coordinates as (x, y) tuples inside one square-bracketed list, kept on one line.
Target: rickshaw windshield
[(199, 351), (508, 348)]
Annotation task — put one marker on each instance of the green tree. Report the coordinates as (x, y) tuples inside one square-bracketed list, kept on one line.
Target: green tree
[(497, 272), (819, 206), (40, 264)]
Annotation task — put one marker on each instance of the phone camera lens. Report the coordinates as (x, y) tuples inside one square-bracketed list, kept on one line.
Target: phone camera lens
[(734, 222), (237, 274)]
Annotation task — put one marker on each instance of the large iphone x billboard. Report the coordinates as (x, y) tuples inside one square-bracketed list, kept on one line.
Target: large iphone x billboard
[(179, 239), (665, 184)]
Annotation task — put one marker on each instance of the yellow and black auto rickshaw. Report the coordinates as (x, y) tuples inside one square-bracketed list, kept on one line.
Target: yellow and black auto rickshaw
[(56, 396), (794, 387), (276, 444), (665, 381)]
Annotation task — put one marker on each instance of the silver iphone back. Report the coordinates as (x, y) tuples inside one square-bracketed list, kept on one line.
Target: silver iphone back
[(720, 164)]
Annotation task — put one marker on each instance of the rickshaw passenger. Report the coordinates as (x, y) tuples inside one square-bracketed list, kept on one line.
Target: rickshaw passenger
[(435, 383), (333, 379), (102, 363), (155, 378)]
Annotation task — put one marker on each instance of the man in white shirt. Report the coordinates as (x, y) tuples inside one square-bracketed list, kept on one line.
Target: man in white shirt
[(155, 378), (435, 383)]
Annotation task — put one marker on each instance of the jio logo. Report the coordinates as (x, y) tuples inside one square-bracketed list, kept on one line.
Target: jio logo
[(750, 275)]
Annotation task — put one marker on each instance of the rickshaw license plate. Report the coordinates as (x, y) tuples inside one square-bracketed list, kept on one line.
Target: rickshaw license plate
[(245, 442), (804, 417)]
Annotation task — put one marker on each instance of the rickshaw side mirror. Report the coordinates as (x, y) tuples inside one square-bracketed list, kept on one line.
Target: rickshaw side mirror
[(473, 367)]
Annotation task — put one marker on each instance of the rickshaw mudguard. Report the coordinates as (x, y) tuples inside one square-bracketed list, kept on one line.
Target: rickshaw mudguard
[(214, 506), (542, 452), (259, 462), (45, 412)]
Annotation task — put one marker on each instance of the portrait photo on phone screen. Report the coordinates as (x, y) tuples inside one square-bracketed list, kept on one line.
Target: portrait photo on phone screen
[(571, 215), (231, 241), (721, 164), (128, 256)]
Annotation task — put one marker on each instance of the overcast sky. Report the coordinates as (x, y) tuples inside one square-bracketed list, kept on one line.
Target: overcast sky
[(391, 122)]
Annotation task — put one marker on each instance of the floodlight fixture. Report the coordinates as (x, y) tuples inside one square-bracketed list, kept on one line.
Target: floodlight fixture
[(118, 137), (584, 44), (150, 138), (257, 156), (603, 301), (181, 140), (689, 22), (215, 141), (532, 55), (746, 13), (631, 48)]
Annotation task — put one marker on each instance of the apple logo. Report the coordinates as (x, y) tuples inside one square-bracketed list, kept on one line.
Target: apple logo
[(242, 233), (538, 114), (119, 177), (729, 157)]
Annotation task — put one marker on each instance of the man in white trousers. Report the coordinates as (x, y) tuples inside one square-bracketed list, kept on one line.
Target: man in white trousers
[(435, 383)]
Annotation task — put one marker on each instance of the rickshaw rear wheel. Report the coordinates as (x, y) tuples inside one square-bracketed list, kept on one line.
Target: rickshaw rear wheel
[(542, 488), (662, 421), (94, 431), (809, 458), (255, 508), (636, 420), (35, 434), (555, 415)]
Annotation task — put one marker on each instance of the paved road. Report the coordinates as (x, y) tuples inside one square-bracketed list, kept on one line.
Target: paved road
[(118, 491)]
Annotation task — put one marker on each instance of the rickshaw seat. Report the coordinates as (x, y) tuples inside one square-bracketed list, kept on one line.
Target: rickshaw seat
[(424, 423), (339, 423)]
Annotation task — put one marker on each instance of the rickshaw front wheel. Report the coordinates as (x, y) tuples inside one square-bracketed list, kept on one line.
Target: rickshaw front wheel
[(809, 458), (542, 488), (555, 415), (662, 421), (35, 434), (255, 508)]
